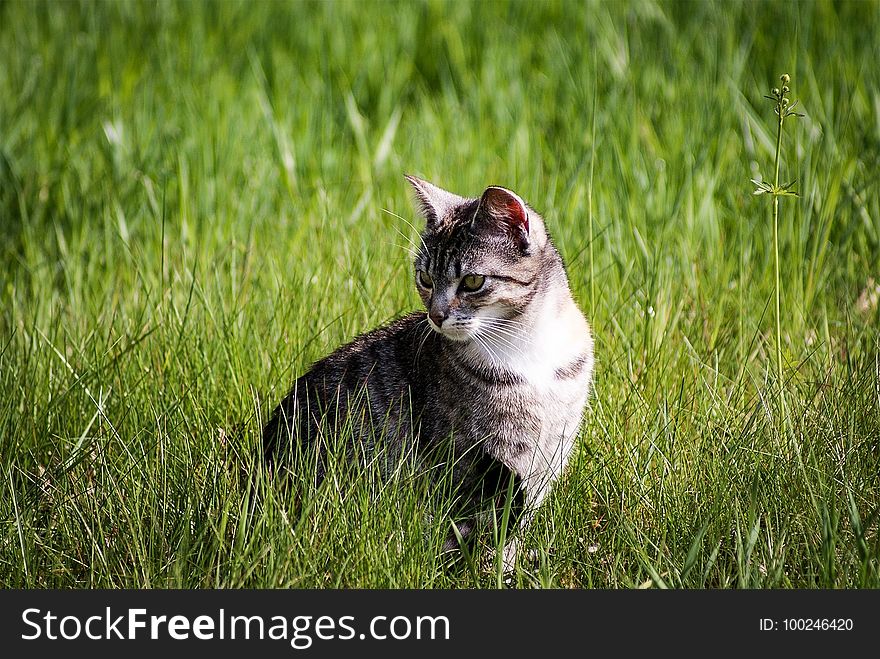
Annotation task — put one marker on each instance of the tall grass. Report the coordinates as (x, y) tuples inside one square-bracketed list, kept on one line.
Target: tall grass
[(199, 199)]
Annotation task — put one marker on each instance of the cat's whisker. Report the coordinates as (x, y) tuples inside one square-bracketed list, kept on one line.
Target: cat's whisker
[(517, 347), (492, 356), (516, 339), (509, 351), (414, 247), (409, 247), (510, 321), (411, 225), (503, 342), (409, 250), (487, 349), (514, 333), (428, 331), (508, 332), (506, 322)]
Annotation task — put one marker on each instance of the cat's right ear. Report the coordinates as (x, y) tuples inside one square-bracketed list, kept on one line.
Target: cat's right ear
[(502, 211), (435, 204)]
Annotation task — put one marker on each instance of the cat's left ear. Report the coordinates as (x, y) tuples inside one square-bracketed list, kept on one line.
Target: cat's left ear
[(503, 210), (435, 204)]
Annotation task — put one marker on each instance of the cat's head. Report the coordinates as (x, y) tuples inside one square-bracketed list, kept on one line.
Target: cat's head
[(481, 262)]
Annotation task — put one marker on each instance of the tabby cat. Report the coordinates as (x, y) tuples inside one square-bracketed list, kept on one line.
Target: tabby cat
[(496, 373)]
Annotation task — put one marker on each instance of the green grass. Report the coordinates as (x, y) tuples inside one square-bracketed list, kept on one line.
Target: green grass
[(193, 208)]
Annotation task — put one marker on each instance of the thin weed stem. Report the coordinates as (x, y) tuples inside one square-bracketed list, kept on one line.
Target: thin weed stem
[(782, 110)]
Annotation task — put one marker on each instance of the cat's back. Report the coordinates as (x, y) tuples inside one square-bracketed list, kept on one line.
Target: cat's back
[(374, 370), (383, 357)]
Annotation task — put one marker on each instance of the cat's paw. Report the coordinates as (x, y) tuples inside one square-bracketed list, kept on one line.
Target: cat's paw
[(512, 555)]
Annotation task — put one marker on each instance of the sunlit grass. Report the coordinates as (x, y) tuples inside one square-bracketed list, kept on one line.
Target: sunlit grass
[(198, 200)]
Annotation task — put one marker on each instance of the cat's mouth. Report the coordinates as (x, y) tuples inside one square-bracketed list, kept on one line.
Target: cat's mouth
[(453, 330)]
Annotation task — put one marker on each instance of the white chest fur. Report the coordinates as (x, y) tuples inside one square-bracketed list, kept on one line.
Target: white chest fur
[(553, 357)]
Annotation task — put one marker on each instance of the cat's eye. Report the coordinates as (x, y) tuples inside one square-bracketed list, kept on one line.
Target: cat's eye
[(472, 283), (425, 279)]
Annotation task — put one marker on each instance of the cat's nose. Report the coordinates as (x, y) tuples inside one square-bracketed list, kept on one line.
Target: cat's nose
[(437, 317)]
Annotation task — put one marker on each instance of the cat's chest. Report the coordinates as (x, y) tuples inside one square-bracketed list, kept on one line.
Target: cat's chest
[(555, 360), (539, 413), (553, 383), (551, 371)]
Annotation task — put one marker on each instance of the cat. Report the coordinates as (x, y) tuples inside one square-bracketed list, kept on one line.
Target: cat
[(497, 369)]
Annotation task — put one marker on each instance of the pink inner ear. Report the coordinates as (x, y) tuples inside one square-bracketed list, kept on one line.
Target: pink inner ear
[(516, 213), (503, 205)]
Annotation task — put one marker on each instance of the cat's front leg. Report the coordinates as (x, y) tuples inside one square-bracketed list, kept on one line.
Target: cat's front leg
[(533, 491)]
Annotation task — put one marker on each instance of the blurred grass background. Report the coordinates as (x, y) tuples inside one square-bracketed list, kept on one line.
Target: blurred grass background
[(199, 199)]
